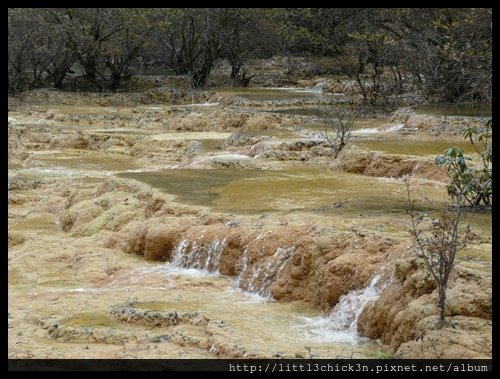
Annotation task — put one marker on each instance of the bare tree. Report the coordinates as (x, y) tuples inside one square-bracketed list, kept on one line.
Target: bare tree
[(444, 52), (38, 54), (338, 126), (105, 41), (438, 242)]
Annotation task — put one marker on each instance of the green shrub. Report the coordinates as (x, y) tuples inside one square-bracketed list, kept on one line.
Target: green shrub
[(474, 184)]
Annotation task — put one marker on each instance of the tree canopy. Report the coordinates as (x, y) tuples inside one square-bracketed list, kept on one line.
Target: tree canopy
[(445, 52)]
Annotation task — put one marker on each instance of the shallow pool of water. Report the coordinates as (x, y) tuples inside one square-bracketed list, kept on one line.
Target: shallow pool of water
[(408, 146), (292, 190), (483, 109), (122, 131), (282, 328), (85, 160), (362, 123), (85, 109), (316, 112), (263, 94), (275, 132), (212, 144), (39, 221)]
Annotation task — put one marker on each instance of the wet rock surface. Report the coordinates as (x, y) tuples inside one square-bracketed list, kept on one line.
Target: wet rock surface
[(128, 313), (405, 315)]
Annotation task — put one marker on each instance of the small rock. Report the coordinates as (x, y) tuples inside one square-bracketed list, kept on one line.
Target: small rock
[(231, 224)]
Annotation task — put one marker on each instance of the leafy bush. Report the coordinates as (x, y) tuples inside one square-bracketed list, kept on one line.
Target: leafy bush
[(474, 184)]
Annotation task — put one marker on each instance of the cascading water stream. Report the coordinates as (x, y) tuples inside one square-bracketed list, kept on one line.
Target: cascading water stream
[(259, 278), (203, 257), (345, 315), (341, 325), (256, 278)]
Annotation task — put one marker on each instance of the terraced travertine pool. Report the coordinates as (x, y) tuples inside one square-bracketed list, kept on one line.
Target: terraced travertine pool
[(295, 329)]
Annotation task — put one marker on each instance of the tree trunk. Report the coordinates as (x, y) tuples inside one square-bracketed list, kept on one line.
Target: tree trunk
[(339, 149), (90, 67), (235, 68), (115, 81), (361, 86), (200, 76), (442, 306), (58, 76)]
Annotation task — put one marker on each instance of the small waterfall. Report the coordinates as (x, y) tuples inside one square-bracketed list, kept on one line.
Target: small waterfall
[(255, 275), (390, 129), (344, 316), (319, 87), (178, 253), (395, 128), (366, 131), (259, 277), (341, 324), (205, 104), (205, 257)]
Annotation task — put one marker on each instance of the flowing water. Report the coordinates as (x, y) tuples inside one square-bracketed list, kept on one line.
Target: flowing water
[(281, 327), (341, 325), (189, 283)]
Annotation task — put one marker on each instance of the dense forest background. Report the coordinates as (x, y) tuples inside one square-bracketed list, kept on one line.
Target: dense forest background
[(446, 54)]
